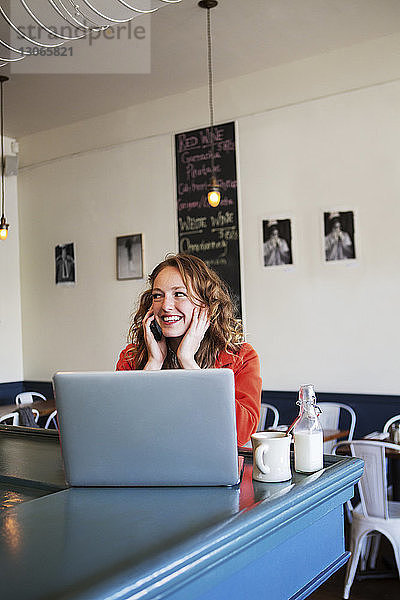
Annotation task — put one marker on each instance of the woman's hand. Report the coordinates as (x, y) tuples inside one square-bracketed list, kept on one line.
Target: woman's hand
[(192, 338), (156, 351)]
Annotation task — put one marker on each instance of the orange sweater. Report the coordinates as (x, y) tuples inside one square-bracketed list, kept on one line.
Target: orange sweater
[(246, 369)]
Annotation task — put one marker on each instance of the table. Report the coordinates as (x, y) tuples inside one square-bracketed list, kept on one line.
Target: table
[(280, 540), (335, 434), (45, 407)]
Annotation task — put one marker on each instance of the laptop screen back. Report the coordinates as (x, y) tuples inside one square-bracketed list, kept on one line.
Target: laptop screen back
[(148, 428)]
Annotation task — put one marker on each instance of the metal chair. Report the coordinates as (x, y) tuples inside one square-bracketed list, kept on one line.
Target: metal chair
[(329, 419), (28, 397), (390, 422), (263, 419), (51, 422), (263, 416), (386, 429), (14, 417), (375, 513), (10, 419)]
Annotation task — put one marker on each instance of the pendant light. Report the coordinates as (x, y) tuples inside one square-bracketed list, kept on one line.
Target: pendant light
[(3, 223), (214, 192)]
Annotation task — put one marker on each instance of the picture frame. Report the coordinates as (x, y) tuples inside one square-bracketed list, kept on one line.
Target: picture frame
[(340, 245), (276, 242), (129, 251), (65, 265)]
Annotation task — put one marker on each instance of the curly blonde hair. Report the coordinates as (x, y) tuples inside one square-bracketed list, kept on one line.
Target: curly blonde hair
[(202, 283)]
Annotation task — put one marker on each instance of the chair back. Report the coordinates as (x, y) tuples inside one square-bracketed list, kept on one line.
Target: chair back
[(10, 419), (373, 484), (330, 417), (28, 397), (263, 419), (52, 420), (390, 422), (263, 416)]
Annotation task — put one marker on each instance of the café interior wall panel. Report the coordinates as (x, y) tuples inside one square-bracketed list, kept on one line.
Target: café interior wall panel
[(11, 366), (314, 135), (333, 325), (90, 200)]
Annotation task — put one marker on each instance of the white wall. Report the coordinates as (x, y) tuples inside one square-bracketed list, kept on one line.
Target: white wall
[(10, 296), (89, 200), (333, 325)]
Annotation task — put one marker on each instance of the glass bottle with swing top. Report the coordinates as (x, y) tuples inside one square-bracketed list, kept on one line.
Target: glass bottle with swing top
[(307, 433)]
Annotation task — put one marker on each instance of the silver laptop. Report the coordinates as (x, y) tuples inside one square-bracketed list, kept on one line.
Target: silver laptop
[(148, 428)]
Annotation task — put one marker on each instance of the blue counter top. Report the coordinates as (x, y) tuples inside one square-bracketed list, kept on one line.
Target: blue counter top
[(180, 543)]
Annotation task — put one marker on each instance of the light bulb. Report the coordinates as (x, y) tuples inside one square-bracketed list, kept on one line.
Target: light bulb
[(214, 197), (214, 194), (3, 229)]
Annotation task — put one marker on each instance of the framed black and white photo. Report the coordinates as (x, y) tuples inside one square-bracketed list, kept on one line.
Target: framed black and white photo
[(130, 256), (65, 264), (339, 236), (277, 242)]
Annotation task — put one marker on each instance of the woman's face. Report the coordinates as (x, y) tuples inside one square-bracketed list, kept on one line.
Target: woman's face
[(172, 307)]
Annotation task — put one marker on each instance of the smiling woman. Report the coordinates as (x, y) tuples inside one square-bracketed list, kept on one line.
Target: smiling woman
[(186, 320)]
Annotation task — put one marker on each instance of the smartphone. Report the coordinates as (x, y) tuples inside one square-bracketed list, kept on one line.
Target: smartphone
[(156, 330)]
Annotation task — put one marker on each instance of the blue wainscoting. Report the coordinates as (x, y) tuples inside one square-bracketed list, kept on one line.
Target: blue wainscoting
[(8, 391), (372, 410)]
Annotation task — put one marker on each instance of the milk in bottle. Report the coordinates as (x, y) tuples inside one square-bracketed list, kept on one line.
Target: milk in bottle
[(308, 439)]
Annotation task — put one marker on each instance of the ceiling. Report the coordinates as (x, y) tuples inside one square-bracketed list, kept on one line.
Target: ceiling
[(248, 35)]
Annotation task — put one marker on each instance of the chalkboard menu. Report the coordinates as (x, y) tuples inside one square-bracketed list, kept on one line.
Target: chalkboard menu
[(210, 233)]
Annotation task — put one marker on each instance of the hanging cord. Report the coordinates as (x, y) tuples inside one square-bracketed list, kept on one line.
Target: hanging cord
[(210, 88), (2, 152)]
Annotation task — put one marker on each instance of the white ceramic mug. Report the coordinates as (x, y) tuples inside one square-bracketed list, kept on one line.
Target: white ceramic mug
[(271, 456)]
